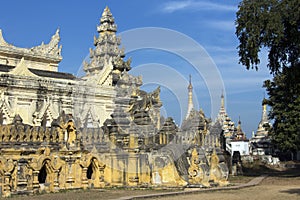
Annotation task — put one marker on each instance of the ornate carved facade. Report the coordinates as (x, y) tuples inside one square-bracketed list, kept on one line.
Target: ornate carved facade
[(61, 132)]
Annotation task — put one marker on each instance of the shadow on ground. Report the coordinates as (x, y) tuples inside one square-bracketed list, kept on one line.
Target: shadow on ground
[(260, 169), (292, 191)]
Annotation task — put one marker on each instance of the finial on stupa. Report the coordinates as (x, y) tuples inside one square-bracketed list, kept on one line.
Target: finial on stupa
[(107, 22), (222, 100), (190, 83), (57, 31)]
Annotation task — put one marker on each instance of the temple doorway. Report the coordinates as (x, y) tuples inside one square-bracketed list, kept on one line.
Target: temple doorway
[(43, 175), (90, 171)]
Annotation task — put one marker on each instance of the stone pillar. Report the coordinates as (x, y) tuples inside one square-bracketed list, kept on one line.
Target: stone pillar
[(160, 138), (133, 141), (6, 190), (157, 111), (56, 181), (70, 174), (35, 182), (101, 175), (84, 180), (133, 178)]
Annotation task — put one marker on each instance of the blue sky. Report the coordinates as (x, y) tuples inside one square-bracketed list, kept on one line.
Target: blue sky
[(210, 23)]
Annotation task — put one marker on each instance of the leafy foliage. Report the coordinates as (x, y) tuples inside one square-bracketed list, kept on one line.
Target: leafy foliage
[(275, 25), (284, 99)]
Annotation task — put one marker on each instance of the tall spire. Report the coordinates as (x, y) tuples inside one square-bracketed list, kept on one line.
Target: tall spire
[(190, 87), (264, 116), (190, 98), (261, 130), (240, 135), (107, 22), (222, 112), (222, 102), (106, 50)]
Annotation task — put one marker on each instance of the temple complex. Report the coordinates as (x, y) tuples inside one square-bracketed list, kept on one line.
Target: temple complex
[(230, 132), (59, 132)]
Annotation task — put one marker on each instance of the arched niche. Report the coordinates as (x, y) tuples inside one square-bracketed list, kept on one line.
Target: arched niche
[(90, 172), (42, 177), (46, 176), (92, 169)]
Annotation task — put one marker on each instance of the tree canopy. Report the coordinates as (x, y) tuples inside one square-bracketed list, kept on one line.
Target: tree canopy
[(275, 25)]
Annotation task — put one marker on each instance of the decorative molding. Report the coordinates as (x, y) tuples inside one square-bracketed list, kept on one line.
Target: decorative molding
[(50, 51), (22, 70)]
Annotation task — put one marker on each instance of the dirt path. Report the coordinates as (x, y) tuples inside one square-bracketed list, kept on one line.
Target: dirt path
[(264, 192), (279, 185)]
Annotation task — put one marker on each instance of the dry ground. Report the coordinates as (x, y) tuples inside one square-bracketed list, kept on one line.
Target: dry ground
[(284, 184), (281, 184), (271, 188)]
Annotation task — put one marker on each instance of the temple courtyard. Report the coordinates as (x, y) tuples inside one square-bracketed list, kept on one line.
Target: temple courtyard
[(278, 184), (101, 136)]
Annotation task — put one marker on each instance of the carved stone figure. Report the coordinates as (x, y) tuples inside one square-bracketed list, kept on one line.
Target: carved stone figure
[(72, 135)]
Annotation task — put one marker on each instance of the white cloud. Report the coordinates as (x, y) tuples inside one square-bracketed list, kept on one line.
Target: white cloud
[(174, 6), (226, 25), (222, 49)]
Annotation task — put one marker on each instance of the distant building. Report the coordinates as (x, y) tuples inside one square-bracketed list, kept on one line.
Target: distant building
[(242, 146), (233, 138), (194, 128), (239, 143)]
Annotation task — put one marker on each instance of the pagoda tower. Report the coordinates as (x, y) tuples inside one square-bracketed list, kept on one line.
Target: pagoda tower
[(264, 122), (190, 98), (222, 112), (239, 135), (106, 59)]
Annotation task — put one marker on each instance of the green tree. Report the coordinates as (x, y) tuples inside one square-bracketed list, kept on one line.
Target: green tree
[(275, 25), (284, 99)]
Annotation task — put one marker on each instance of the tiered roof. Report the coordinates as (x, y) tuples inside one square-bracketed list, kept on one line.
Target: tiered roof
[(107, 49)]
